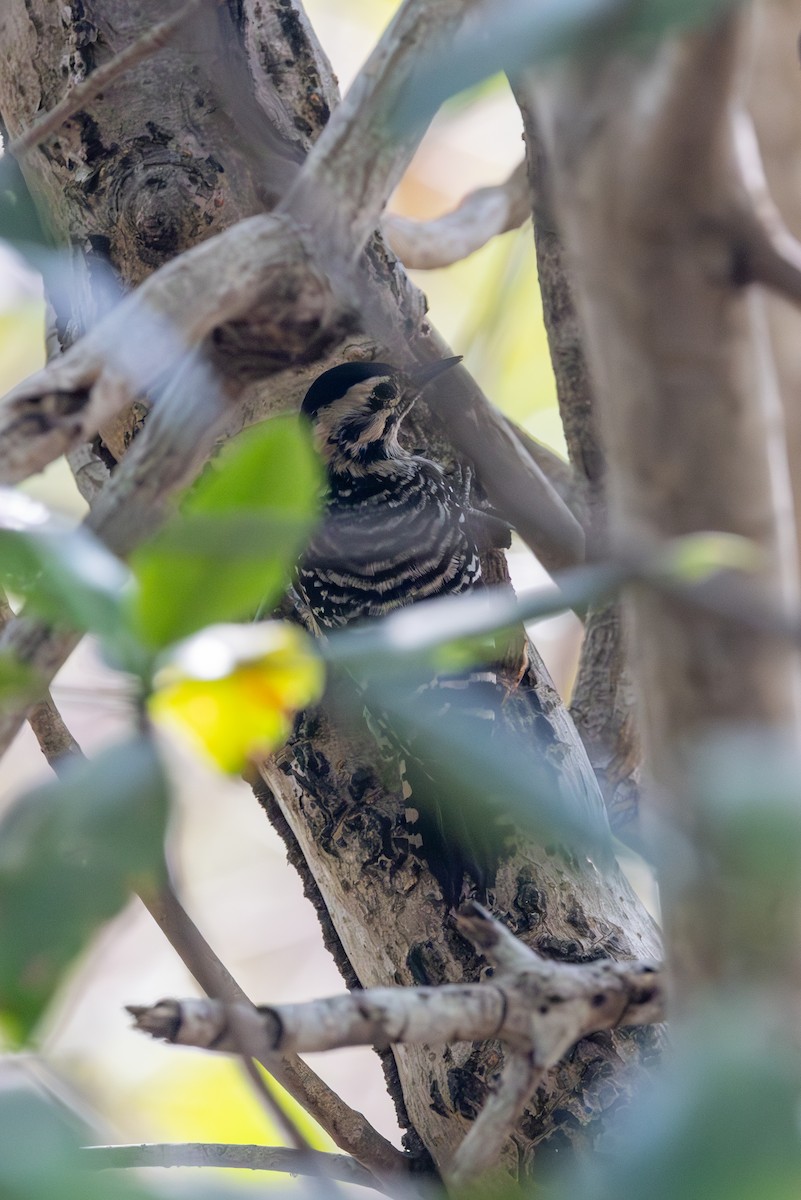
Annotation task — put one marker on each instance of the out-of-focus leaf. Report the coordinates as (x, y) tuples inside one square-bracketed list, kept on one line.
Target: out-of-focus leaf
[(746, 845), (233, 690), (70, 854), (19, 220), (435, 629), (41, 1155), (478, 758), (748, 789), (238, 536), (18, 681), (65, 574), (693, 558), (722, 1125), (21, 341), (518, 34)]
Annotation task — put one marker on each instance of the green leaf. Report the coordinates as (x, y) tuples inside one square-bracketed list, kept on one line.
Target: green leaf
[(41, 1152), (443, 630), (70, 854), (19, 220), (238, 536), (697, 556), (65, 574), (18, 681), (42, 1155), (469, 769)]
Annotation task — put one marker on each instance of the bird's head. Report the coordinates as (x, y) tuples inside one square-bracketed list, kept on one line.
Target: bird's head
[(356, 410)]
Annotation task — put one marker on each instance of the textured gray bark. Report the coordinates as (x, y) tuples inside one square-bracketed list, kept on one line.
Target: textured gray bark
[(166, 159), (389, 918)]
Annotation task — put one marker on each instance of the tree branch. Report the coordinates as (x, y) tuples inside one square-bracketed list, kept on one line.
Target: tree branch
[(259, 263), (54, 738), (265, 267), (242, 1157), (536, 1005), (480, 1151), (358, 160), (349, 1129), (482, 215), (602, 704), (286, 60)]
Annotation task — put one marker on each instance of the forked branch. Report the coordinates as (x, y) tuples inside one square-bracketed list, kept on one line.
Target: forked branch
[(538, 1007)]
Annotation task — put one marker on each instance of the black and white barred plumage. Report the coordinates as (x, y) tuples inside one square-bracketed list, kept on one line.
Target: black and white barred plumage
[(396, 530)]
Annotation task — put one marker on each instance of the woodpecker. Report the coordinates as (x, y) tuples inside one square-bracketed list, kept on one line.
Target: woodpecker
[(397, 529)]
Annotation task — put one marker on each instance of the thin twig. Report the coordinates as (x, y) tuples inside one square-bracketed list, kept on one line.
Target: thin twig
[(480, 216), (54, 738), (88, 89), (269, 1102), (349, 1129), (243, 1157)]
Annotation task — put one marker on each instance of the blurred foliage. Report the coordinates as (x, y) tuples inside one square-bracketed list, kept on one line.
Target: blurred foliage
[(19, 221), (21, 342), (17, 680), (65, 574), (696, 557), (232, 547), (41, 1156), (722, 1123), (70, 854)]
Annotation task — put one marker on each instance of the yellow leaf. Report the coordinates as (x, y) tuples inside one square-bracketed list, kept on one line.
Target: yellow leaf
[(233, 690)]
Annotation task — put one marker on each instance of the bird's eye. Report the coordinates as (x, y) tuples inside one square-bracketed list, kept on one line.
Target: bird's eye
[(383, 391)]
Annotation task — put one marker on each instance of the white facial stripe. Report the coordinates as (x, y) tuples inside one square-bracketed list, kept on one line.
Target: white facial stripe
[(355, 403)]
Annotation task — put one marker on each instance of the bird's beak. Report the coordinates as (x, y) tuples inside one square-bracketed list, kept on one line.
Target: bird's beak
[(420, 377)]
